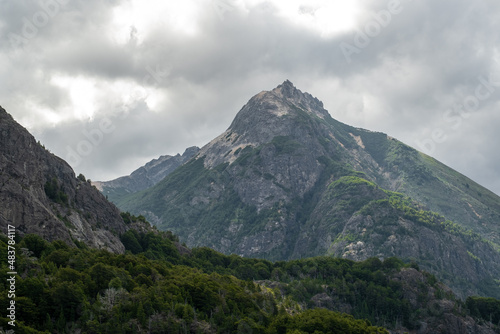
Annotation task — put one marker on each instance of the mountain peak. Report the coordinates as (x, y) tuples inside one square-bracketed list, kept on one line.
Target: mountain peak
[(305, 101), (286, 89), (267, 115)]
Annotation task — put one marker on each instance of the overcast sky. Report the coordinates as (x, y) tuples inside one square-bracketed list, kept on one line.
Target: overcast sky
[(110, 85)]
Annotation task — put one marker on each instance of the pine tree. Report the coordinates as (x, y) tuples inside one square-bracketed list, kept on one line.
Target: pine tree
[(61, 322), (48, 324), (141, 315)]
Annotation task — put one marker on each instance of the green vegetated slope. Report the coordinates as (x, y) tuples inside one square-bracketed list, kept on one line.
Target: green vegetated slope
[(371, 221), (115, 194), (159, 286), (396, 166), (438, 187), (145, 176)]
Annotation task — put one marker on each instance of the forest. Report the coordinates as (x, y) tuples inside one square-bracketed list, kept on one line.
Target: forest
[(160, 286)]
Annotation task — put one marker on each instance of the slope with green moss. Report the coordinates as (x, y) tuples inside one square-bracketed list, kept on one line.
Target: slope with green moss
[(444, 190)]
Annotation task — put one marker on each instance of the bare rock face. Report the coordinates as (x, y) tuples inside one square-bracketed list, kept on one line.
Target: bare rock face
[(40, 194), (275, 126)]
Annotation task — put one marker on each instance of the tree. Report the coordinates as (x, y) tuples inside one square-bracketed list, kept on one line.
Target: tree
[(54, 192), (130, 242), (101, 274), (69, 296), (141, 315), (36, 244)]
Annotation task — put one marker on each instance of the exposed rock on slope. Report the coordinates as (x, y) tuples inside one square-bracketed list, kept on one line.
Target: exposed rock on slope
[(40, 194)]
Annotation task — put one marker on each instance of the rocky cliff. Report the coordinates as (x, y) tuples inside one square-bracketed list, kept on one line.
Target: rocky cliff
[(40, 194), (286, 180)]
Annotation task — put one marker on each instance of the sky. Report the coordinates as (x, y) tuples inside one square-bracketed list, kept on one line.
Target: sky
[(109, 85)]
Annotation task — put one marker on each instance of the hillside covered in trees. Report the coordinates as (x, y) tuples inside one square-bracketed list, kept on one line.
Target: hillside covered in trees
[(160, 286)]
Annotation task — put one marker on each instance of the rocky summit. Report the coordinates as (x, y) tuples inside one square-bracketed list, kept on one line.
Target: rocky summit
[(288, 181), (40, 194)]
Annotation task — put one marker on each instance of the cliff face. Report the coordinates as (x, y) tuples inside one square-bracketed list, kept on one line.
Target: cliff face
[(40, 194), (286, 181)]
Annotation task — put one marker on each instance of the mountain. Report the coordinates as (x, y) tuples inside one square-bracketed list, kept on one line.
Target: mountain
[(145, 176), (124, 277), (287, 181), (39, 194)]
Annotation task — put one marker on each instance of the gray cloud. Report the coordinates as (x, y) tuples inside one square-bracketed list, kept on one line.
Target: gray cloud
[(163, 90)]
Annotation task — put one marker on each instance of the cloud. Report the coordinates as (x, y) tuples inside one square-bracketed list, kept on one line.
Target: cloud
[(168, 75)]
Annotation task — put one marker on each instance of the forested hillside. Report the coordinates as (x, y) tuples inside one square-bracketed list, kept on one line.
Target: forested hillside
[(160, 286)]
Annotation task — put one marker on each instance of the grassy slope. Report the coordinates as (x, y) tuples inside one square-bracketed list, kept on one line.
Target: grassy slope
[(439, 187), (480, 207)]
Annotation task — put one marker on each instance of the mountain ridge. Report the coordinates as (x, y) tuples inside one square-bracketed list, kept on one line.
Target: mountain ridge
[(145, 176)]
